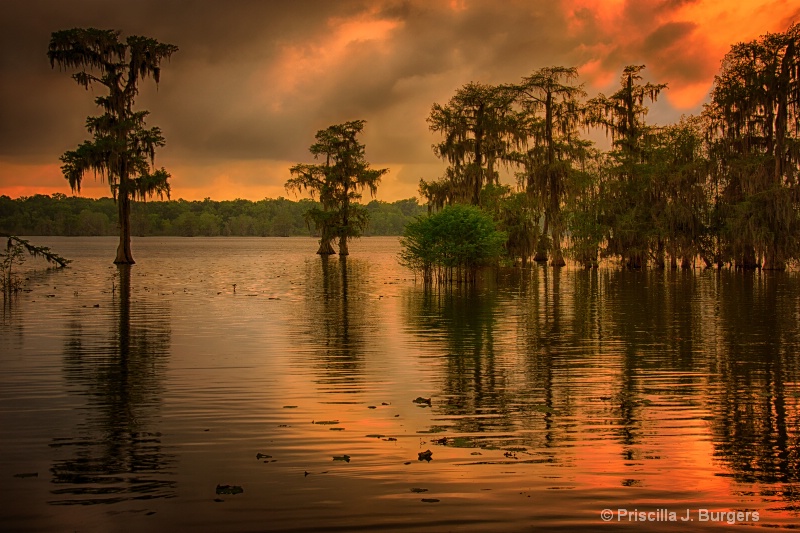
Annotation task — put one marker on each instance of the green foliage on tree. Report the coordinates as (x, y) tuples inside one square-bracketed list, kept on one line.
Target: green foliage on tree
[(630, 220), (451, 245), (480, 126), (551, 101), (64, 215), (679, 203), (338, 184), (754, 121), (122, 149)]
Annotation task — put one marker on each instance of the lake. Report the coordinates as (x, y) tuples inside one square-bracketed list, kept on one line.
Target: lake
[(238, 384)]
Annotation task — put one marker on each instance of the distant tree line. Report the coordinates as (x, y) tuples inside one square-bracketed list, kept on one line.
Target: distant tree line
[(722, 186), (64, 215)]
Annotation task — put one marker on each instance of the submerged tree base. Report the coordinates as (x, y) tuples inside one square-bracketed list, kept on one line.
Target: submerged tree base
[(325, 248)]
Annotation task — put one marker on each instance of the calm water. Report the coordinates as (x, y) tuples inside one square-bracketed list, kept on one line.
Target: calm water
[(128, 396)]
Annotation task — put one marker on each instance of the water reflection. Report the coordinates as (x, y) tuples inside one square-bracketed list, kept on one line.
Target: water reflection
[(461, 322), (117, 452), (756, 420), (336, 325)]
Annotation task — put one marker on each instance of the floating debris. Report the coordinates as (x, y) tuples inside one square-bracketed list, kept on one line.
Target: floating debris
[(422, 401), (290, 407), (27, 474), (385, 403), (263, 456), (336, 429), (345, 458), (229, 489), (427, 455), (418, 490), (375, 436), (390, 439), (371, 407), (430, 500), (326, 422)]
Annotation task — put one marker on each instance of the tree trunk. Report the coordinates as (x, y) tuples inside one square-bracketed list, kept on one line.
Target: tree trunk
[(325, 247), (124, 255), (774, 260), (747, 260), (343, 246), (557, 258), (659, 259), (686, 263), (635, 261), (542, 245)]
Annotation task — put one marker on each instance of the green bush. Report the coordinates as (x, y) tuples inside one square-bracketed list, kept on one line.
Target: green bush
[(452, 244)]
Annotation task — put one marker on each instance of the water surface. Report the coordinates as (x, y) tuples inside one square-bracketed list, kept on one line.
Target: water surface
[(133, 393)]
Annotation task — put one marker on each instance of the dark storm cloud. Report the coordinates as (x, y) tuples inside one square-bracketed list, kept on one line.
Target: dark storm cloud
[(254, 80), (221, 40), (215, 99)]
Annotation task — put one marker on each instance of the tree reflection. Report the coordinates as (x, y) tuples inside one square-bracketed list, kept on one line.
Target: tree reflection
[(117, 453), (756, 420), (336, 324), (460, 321)]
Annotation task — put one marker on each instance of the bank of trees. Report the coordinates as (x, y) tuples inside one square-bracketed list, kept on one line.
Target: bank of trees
[(59, 214), (721, 187)]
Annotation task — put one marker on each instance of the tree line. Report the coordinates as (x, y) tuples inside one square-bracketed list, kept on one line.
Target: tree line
[(59, 214), (721, 186)]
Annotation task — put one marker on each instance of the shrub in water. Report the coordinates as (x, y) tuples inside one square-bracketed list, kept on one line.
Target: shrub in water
[(452, 244)]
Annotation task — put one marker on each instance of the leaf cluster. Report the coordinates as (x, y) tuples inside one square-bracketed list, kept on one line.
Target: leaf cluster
[(452, 244)]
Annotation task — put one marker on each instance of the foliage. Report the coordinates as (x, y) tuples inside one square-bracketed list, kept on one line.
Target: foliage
[(14, 255), (480, 127), (753, 124), (451, 245), (585, 210), (630, 220), (550, 100), (64, 215), (338, 184), (122, 149), (516, 216)]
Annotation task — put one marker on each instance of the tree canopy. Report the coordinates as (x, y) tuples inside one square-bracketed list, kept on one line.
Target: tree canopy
[(122, 149), (338, 183)]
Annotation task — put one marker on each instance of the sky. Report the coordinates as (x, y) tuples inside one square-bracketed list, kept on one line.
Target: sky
[(253, 81)]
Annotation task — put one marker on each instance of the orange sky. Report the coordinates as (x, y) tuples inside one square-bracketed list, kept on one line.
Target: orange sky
[(241, 101)]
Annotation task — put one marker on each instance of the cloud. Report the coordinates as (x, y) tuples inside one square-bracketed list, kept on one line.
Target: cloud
[(253, 81)]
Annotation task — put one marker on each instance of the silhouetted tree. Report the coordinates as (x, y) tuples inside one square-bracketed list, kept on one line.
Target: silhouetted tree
[(754, 118), (122, 149), (338, 183), (479, 126), (551, 101), (622, 115)]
